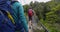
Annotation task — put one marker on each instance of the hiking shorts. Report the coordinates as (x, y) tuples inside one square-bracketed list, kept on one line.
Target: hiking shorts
[(30, 18)]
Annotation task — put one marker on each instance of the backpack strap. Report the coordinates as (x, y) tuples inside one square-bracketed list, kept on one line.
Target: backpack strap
[(4, 19), (7, 13), (10, 17)]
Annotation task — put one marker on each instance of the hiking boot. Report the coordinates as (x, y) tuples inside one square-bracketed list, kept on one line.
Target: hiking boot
[(29, 27)]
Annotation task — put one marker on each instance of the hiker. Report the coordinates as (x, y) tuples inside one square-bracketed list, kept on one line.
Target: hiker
[(30, 14), (19, 17), (6, 19)]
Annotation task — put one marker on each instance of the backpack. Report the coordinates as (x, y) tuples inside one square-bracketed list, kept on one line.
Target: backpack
[(30, 12), (6, 19)]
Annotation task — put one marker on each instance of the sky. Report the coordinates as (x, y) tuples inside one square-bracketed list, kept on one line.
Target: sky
[(28, 1)]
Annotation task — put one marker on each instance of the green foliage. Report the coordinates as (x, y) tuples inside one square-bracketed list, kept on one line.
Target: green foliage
[(26, 7), (48, 13), (53, 15)]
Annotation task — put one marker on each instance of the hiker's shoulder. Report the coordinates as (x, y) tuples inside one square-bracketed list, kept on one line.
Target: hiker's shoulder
[(17, 3)]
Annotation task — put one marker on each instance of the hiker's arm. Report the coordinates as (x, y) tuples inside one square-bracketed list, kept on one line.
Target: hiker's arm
[(22, 17)]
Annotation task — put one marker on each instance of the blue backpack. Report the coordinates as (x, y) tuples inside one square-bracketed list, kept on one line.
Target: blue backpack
[(6, 19)]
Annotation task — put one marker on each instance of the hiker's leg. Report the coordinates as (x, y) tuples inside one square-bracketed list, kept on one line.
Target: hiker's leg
[(29, 18), (29, 21)]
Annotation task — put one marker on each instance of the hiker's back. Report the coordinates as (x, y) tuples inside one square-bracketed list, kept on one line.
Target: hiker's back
[(30, 12), (19, 17), (6, 24), (17, 11)]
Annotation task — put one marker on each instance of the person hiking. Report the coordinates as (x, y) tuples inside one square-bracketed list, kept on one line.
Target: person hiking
[(6, 19), (30, 14), (19, 17)]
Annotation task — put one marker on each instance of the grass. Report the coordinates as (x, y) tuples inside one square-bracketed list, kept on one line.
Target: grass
[(38, 30), (55, 27)]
